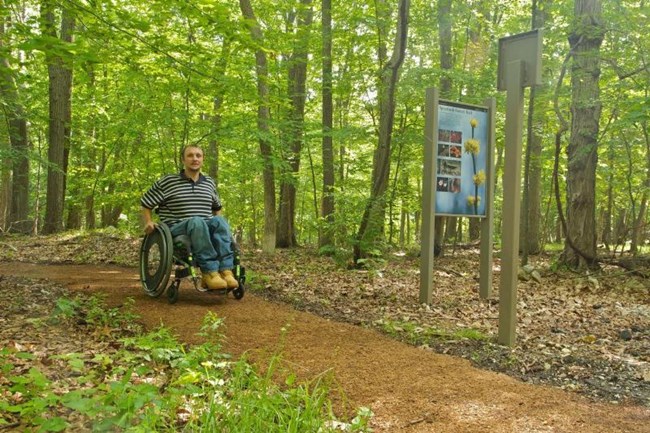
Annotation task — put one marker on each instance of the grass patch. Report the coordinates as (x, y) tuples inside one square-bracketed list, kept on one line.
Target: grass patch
[(416, 334)]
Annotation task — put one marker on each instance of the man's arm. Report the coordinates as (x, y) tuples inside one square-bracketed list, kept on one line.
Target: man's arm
[(149, 225)]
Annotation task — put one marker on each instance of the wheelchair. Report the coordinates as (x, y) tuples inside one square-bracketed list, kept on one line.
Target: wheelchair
[(160, 253)]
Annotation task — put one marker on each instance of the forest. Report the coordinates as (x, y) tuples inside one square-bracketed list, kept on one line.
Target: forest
[(311, 115)]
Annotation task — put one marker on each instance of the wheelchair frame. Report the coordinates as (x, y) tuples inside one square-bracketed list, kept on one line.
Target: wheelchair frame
[(160, 254)]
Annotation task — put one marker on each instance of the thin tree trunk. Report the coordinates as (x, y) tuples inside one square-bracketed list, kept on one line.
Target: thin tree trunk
[(446, 54), (213, 144), (91, 154), (446, 64), (396, 178), (263, 118), (608, 212), (475, 58), (630, 191), (639, 226), (372, 223), (327, 202)]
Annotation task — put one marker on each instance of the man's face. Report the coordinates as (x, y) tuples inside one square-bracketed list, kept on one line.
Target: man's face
[(193, 158)]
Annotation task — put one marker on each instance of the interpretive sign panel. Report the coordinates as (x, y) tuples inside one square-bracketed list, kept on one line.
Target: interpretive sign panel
[(461, 157)]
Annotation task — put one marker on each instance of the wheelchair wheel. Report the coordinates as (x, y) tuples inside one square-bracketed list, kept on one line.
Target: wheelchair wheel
[(238, 293), (156, 260)]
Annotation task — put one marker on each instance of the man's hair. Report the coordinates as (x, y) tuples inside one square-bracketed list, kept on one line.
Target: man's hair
[(184, 148)]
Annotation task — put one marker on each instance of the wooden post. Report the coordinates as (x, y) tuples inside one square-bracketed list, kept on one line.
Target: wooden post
[(487, 223), (428, 197), (511, 203)]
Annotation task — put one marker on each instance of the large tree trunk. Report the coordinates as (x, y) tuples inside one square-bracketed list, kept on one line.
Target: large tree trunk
[(17, 201), (263, 117), (372, 223), (585, 42), (60, 98), (286, 235), (327, 204)]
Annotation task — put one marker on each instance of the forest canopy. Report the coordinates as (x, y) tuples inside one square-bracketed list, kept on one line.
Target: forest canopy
[(311, 114)]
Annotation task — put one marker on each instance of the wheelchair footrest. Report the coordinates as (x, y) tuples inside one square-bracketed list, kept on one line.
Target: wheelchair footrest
[(182, 273)]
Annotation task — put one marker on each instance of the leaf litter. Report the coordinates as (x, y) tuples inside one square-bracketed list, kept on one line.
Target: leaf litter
[(589, 334)]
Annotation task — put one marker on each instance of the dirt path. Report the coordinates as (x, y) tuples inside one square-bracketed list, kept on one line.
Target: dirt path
[(408, 389)]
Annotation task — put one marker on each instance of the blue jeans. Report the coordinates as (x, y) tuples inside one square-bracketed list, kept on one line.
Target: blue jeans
[(211, 241)]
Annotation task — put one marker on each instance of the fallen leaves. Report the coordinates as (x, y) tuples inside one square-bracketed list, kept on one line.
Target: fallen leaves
[(568, 325)]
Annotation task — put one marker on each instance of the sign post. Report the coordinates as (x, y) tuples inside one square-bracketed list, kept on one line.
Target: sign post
[(519, 67), (428, 197), (487, 223)]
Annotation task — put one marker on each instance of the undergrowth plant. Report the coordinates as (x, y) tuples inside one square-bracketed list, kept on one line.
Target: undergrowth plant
[(151, 382), (416, 334)]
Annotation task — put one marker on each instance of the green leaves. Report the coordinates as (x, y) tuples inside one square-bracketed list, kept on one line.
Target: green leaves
[(148, 382)]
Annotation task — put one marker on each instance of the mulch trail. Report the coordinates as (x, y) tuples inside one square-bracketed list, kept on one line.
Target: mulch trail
[(408, 389)]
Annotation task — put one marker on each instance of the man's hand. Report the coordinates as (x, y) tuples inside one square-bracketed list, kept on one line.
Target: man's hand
[(149, 227)]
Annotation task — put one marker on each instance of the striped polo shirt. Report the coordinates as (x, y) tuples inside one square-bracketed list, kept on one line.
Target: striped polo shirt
[(178, 197)]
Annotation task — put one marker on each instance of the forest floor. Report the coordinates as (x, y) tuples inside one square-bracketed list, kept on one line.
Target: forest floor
[(581, 362)]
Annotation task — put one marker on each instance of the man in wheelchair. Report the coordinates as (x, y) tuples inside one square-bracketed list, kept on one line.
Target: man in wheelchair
[(189, 204)]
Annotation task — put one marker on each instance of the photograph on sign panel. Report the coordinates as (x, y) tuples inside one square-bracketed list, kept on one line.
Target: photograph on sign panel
[(448, 167)]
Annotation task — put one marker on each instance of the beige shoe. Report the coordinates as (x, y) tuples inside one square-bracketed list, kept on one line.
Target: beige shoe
[(231, 281), (213, 281)]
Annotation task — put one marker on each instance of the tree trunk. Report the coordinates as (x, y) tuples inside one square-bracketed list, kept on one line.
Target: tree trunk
[(213, 144), (73, 221), (403, 221), (639, 226), (532, 203), (327, 202), (17, 200), (5, 187), (398, 177), (90, 163), (90, 212), (263, 118), (286, 235), (620, 228), (585, 42), (446, 54), (446, 64), (474, 229), (609, 212), (372, 223), (474, 60), (60, 98)]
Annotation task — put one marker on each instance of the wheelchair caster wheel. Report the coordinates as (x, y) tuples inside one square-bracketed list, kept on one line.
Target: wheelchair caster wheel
[(238, 293), (172, 292)]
